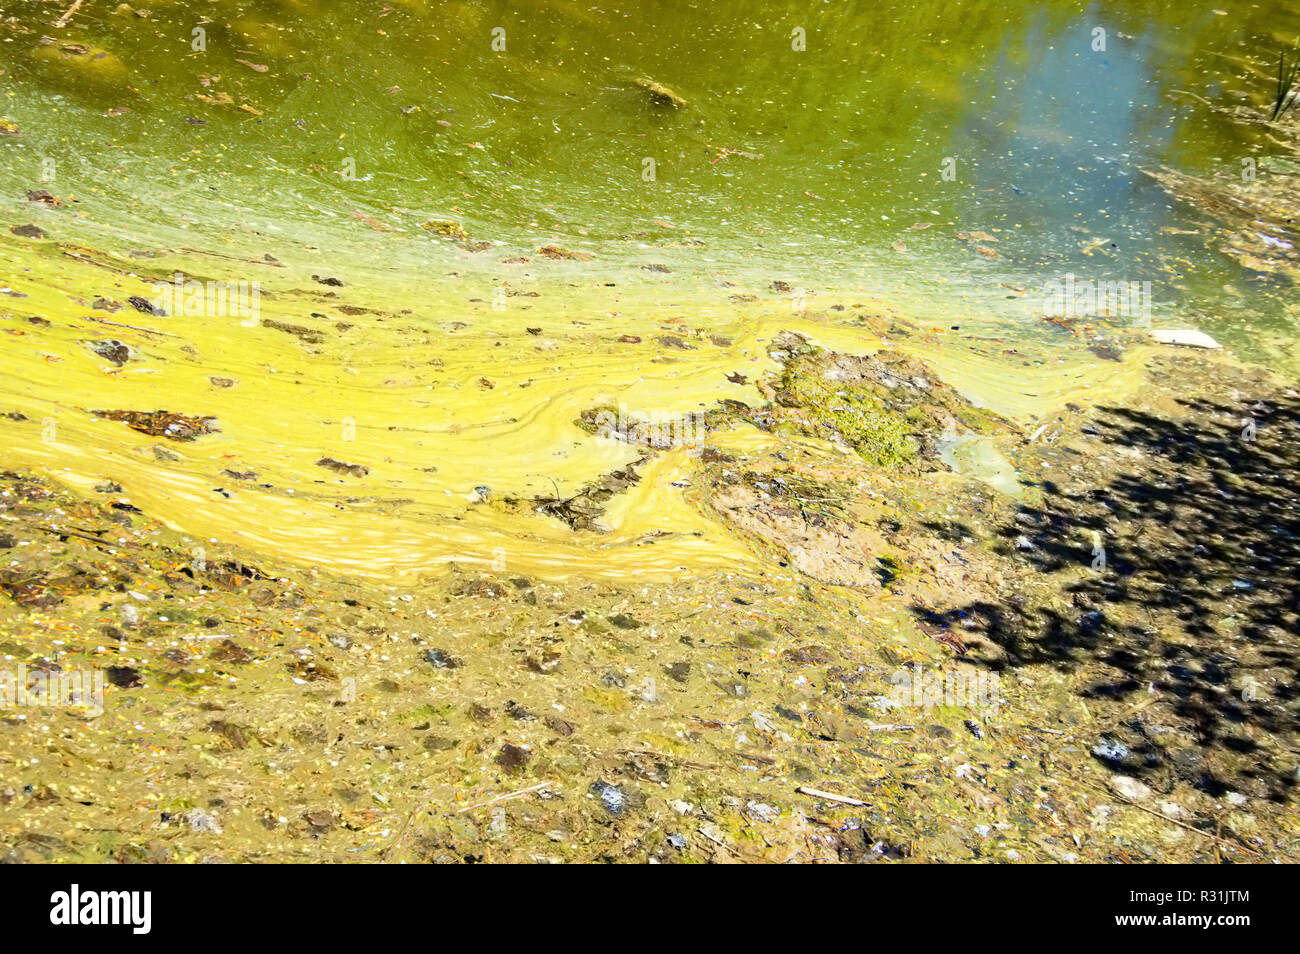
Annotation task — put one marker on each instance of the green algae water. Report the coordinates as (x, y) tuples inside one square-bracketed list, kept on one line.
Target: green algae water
[(811, 138), (665, 431), (469, 223)]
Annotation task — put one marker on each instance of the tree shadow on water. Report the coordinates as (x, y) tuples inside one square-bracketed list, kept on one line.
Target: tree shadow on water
[(1166, 585)]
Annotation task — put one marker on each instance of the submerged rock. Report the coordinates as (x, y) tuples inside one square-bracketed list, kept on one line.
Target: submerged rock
[(1110, 750), (660, 94), (1130, 788), (200, 820), (81, 62), (484, 587), (441, 659), (612, 797), (513, 758)]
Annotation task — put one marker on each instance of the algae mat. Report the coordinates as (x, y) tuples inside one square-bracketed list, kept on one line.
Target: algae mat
[(536, 432)]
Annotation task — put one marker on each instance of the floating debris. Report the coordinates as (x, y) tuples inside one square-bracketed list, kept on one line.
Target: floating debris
[(113, 351), (1186, 336), (307, 335), (341, 467), (562, 254), (829, 796), (144, 305), (446, 228), (582, 511), (176, 427)]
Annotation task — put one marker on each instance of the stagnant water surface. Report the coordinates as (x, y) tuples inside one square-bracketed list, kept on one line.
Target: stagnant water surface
[(941, 161)]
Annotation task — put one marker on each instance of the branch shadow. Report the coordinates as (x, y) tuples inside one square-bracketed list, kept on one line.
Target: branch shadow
[(1178, 571)]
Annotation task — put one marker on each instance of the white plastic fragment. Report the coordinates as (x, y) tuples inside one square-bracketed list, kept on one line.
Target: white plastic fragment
[(1184, 336)]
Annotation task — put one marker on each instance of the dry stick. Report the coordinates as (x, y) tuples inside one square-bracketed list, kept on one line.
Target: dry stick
[(78, 257), (1038, 728), (1193, 95), (118, 324), (829, 796), (402, 834), (411, 818), (664, 757), (503, 798), (62, 21), (1133, 710), (82, 536), (1237, 843)]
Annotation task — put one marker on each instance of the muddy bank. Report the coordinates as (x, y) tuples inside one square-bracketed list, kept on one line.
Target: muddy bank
[(922, 668)]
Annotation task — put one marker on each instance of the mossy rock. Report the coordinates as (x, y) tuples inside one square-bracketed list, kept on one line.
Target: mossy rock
[(890, 408), (856, 414), (91, 65)]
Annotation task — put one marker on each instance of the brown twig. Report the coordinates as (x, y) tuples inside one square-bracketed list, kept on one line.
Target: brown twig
[(118, 324), (81, 536), (411, 818), (1193, 95), (503, 798), (1234, 842), (828, 796), (62, 21)]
